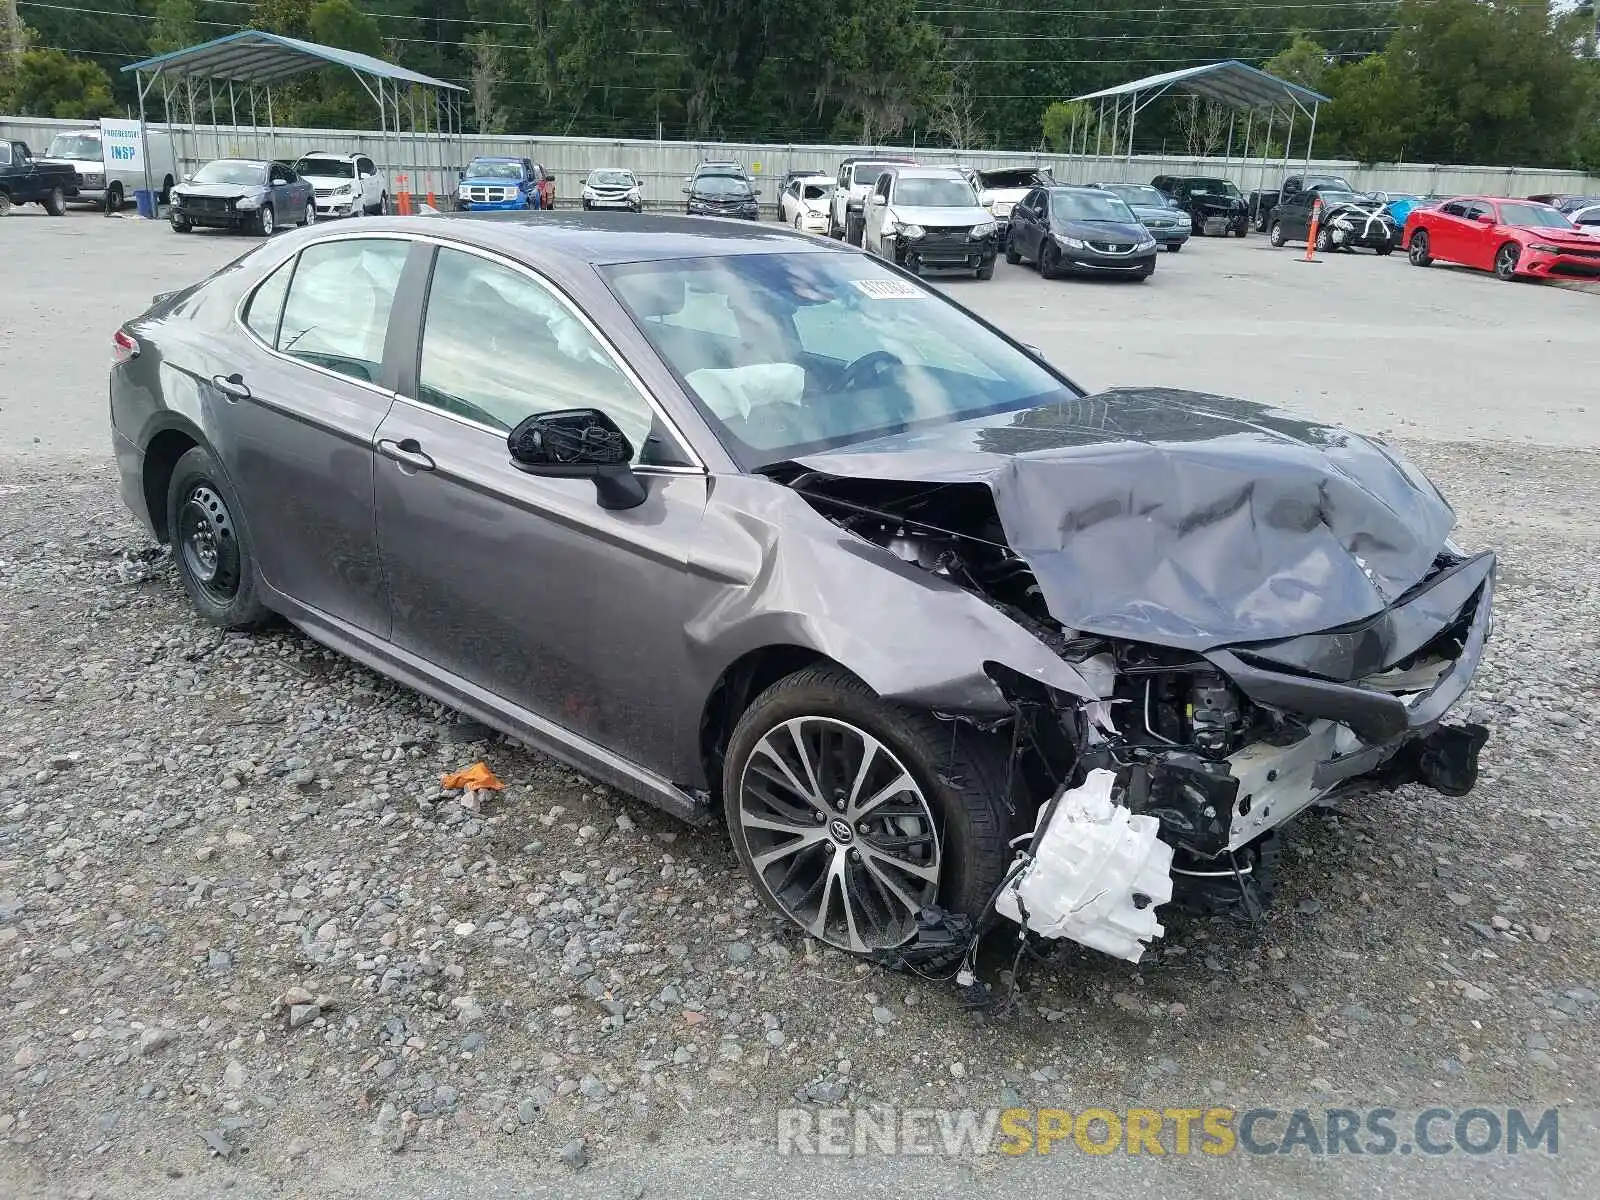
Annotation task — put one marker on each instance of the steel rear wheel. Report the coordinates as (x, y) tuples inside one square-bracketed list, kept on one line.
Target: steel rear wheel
[(211, 545), (851, 815), (1506, 259)]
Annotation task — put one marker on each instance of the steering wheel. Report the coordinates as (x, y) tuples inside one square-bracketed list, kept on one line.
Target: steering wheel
[(866, 370)]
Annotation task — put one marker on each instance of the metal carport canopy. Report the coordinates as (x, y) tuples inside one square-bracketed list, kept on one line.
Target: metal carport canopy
[(1233, 83), (255, 56)]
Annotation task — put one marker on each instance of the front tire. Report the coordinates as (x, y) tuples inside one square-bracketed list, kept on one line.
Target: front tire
[(179, 225), (114, 198), (266, 222), (986, 271), (1505, 261), (210, 545), (850, 815), (1049, 261), (1013, 255), (1417, 251), (855, 230), (1325, 241), (1275, 235), (56, 202)]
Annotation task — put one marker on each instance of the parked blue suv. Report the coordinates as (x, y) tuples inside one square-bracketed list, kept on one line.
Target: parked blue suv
[(491, 183)]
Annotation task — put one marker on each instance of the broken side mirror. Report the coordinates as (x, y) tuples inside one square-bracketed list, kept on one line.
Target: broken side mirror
[(579, 443)]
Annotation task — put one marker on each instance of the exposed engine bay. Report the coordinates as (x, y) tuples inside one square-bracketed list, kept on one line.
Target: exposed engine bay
[(1168, 777)]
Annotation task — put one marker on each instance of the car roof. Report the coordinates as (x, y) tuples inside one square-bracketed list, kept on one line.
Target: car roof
[(333, 154), (576, 239), (497, 158), (874, 158), (914, 171)]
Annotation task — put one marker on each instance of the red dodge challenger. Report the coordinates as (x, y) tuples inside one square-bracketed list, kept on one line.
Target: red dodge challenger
[(1512, 238)]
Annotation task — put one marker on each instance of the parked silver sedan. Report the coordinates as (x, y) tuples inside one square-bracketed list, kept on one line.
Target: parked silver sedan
[(762, 530)]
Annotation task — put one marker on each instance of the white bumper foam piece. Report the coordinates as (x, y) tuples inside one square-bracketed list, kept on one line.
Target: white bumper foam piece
[(1094, 858)]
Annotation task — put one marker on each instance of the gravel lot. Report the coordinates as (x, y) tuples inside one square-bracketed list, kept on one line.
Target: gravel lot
[(247, 943)]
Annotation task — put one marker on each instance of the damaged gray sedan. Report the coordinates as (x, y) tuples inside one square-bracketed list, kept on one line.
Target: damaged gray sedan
[(762, 530)]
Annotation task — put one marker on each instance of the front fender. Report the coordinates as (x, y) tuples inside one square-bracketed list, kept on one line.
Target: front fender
[(779, 574)]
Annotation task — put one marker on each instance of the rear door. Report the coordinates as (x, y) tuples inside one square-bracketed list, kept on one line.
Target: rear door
[(520, 584), (297, 407)]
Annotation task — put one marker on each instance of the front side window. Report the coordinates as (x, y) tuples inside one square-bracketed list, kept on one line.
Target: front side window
[(337, 312), (5, 154), (811, 351), (498, 347)]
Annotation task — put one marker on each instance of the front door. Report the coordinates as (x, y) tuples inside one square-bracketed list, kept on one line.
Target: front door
[(521, 584), (298, 408)]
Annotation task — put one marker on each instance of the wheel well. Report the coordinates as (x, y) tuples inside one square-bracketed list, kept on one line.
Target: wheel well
[(745, 679), (160, 457)]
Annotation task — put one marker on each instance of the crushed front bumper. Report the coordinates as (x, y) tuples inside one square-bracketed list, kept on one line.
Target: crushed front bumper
[(1364, 707)]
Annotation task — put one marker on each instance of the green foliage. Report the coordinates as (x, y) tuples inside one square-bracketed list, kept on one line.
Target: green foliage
[(1063, 124), (1466, 80), (48, 83)]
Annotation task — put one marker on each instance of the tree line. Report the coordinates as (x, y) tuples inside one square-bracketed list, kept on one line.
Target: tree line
[(1512, 82)]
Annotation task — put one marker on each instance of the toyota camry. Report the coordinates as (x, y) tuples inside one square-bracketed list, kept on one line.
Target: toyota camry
[(767, 532)]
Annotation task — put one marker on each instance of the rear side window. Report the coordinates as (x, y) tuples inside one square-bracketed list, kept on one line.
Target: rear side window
[(266, 306), (337, 312)]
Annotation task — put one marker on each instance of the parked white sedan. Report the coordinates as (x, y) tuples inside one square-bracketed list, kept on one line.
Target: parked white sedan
[(804, 203)]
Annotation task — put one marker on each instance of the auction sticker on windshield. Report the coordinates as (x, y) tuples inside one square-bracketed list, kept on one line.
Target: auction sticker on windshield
[(887, 289)]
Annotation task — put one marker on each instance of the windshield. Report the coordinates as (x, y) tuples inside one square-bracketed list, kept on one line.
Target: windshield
[(1533, 216), (721, 186), (1014, 178), (1090, 206), (868, 172), (228, 170), (611, 178), (325, 168), (788, 354), (75, 145), (482, 168), (1213, 187), (1138, 193), (935, 193), (819, 191)]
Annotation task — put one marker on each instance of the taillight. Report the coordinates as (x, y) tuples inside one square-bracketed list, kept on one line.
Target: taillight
[(123, 347)]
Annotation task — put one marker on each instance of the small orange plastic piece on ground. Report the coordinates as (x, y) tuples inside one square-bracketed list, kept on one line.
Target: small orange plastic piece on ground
[(476, 776)]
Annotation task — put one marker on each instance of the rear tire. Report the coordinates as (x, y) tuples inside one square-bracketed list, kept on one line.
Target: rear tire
[(854, 880), (5, 203), (310, 215), (211, 546)]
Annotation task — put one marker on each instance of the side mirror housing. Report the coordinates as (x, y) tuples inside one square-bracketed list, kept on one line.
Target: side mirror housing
[(878, 200), (188, 177), (1485, 218), (579, 443), (685, 187)]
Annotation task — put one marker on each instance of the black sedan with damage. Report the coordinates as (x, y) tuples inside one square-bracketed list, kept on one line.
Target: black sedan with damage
[(786, 538)]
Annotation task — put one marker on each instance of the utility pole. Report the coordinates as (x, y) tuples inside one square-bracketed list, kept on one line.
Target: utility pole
[(16, 37)]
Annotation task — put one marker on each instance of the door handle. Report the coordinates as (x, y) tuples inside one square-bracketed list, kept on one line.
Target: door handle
[(407, 452), (232, 386)]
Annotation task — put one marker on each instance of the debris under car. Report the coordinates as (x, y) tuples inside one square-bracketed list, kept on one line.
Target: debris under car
[(1206, 717)]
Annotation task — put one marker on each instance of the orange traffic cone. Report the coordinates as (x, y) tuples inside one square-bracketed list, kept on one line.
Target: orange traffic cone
[(1311, 235)]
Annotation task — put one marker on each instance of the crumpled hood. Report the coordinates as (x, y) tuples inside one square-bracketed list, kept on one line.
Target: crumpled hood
[(940, 218), (1184, 519), (223, 191), (1206, 202), (1155, 212)]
